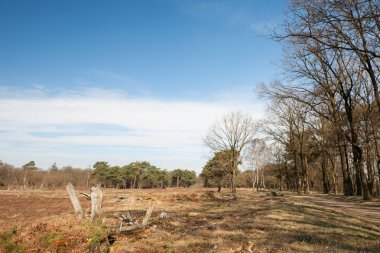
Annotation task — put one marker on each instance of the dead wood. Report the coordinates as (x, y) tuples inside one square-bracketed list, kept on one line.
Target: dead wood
[(275, 194), (96, 201), (147, 215), (87, 196), (74, 200), (126, 218), (133, 227)]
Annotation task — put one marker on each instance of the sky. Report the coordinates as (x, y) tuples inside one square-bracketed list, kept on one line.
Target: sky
[(123, 81)]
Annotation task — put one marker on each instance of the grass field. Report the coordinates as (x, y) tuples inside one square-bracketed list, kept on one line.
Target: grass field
[(196, 220)]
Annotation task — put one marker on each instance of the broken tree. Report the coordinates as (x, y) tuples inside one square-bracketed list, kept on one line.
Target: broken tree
[(96, 198), (74, 200)]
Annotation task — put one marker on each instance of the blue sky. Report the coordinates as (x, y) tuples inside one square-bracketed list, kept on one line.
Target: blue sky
[(75, 74)]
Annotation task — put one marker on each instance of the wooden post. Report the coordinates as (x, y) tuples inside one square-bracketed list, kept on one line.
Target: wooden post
[(74, 200), (147, 215), (96, 201)]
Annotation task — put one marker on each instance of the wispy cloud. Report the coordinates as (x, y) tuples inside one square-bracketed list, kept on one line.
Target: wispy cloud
[(96, 124)]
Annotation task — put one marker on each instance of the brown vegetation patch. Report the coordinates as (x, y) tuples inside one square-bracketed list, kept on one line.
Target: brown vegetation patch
[(195, 223)]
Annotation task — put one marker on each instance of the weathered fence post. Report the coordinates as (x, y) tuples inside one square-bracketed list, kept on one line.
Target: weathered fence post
[(96, 201), (147, 215), (74, 200)]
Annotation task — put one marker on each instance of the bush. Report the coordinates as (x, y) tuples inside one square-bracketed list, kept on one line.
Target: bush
[(8, 243)]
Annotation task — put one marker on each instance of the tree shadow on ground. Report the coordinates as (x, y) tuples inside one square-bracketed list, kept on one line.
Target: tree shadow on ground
[(262, 224)]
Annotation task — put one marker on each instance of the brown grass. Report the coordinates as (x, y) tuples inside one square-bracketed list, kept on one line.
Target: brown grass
[(197, 222)]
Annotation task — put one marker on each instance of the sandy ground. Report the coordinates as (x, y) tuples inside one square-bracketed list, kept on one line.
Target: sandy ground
[(369, 210)]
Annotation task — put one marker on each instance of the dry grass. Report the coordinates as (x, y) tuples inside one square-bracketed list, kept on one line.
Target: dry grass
[(197, 222), (351, 199)]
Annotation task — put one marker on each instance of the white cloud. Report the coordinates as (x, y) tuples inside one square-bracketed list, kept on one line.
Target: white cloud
[(99, 124)]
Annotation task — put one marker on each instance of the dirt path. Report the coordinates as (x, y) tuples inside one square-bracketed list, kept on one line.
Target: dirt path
[(360, 210)]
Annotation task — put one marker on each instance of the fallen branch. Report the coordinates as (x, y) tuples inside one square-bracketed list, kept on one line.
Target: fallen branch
[(88, 197), (126, 217), (275, 194), (136, 225)]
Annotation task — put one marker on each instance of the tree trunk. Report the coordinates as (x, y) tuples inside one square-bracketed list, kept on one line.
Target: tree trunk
[(253, 179), (348, 189), (333, 176), (324, 174), (370, 178), (358, 180), (262, 179), (358, 162), (74, 200), (233, 187), (305, 173), (298, 182), (134, 182), (257, 180), (96, 202), (25, 180)]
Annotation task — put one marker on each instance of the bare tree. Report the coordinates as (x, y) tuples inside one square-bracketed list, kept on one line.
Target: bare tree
[(259, 155), (351, 26), (232, 134), (333, 61)]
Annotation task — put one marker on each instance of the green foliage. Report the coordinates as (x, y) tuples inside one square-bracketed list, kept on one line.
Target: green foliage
[(183, 178), (140, 174), (8, 243), (189, 178), (30, 165), (48, 239), (101, 172), (218, 168), (96, 233), (154, 178)]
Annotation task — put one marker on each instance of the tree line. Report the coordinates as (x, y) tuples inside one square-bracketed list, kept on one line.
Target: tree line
[(29, 176), (322, 129), (325, 113), (134, 175), (141, 175)]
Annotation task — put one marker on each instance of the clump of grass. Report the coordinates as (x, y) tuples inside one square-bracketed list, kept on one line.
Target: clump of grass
[(48, 239), (8, 242), (97, 234)]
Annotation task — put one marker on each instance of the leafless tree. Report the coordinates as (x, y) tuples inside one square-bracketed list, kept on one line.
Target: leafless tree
[(232, 133), (351, 26), (259, 155), (332, 63)]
